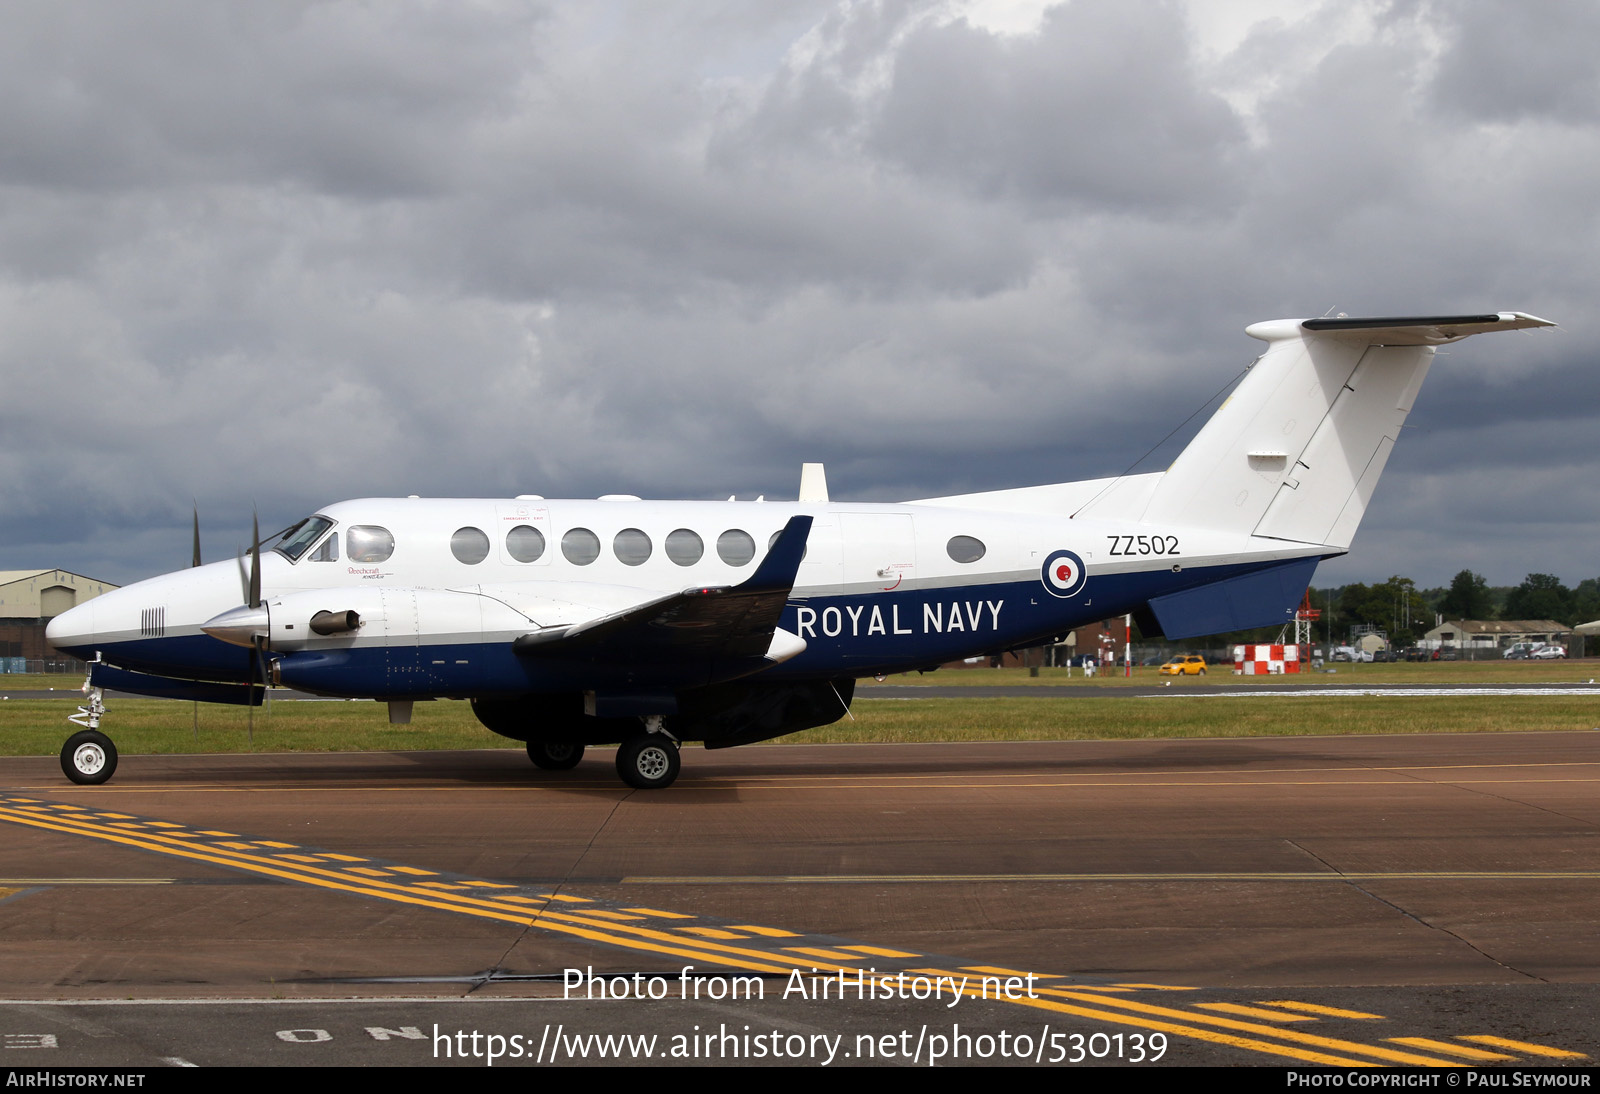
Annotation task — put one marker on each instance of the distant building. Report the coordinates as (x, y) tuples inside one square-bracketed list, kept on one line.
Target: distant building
[(1492, 634), (28, 600)]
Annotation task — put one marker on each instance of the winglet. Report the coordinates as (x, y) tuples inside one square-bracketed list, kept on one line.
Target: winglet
[(777, 571)]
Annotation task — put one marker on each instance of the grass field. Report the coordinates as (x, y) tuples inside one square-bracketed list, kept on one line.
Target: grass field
[(38, 726)]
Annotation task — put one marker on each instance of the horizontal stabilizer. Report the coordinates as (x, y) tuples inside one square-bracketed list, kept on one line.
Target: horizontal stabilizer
[(1423, 330)]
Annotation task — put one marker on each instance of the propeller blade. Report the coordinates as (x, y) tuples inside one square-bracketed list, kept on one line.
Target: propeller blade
[(254, 599), (196, 561)]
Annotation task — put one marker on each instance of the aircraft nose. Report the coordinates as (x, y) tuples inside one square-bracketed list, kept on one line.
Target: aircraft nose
[(73, 629)]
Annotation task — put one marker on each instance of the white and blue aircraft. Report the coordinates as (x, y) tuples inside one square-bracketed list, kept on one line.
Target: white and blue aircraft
[(648, 623)]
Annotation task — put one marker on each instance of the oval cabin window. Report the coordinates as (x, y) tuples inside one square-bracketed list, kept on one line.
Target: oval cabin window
[(964, 548), (735, 547), (470, 545), (631, 546), (685, 547), (525, 543), (580, 546)]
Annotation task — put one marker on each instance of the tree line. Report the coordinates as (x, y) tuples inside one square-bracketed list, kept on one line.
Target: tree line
[(1406, 613)]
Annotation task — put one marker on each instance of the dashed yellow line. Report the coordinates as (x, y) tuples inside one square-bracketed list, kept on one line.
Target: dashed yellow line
[(1450, 1049), (1318, 1008), (1525, 1047), (658, 914), (1256, 1012)]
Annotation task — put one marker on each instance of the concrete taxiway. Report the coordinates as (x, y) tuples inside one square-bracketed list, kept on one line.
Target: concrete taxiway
[(1216, 892)]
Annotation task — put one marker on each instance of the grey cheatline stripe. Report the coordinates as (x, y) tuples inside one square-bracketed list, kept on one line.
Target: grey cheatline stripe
[(725, 944)]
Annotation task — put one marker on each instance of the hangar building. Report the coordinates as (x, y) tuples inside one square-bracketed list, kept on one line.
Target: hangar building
[(28, 600)]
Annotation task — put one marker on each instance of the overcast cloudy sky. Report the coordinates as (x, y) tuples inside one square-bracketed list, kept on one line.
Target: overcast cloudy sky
[(287, 253)]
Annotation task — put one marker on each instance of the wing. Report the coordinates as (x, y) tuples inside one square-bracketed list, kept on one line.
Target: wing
[(713, 633)]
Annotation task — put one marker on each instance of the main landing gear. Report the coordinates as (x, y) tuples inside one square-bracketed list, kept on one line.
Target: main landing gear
[(89, 758), (555, 755), (649, 760)]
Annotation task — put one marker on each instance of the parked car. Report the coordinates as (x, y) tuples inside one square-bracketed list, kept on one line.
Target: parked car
[(1189, 664), (1548, 653)]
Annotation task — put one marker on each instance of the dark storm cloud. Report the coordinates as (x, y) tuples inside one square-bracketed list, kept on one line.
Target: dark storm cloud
[(1101, 109), (1508, 62), (282, 254), (362, 99)]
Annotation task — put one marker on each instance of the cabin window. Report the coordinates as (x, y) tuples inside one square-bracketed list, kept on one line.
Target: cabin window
[(964, 549), (329, 551), (525, 543), (469, 545), (685, 547), (368, 543), (580, 546), (735, 547), (631, 546)]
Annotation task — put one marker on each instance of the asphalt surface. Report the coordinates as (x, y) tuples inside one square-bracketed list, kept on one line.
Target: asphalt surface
[(1391, 900)]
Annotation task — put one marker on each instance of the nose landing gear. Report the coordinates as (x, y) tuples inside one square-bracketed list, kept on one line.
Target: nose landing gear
[(89, 758)]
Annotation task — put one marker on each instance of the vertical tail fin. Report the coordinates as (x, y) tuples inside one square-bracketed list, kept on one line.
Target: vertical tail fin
[(1295, 453)]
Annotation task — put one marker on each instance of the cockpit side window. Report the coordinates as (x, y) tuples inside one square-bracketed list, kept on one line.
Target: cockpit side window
[(301, 536), (328, 551), (368, 543)]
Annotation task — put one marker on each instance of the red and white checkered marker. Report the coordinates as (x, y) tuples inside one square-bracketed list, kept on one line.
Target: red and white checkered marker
[(1266, 660)]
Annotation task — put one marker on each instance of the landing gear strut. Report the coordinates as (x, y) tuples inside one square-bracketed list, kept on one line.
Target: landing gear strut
[(89, 758), (649, 760)]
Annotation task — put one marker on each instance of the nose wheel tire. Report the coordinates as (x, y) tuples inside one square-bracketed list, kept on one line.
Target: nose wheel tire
[(648, 761), (555, 755), (88, 758)]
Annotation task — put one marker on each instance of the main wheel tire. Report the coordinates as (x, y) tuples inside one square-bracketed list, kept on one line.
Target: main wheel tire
[(555, 755), (648, 761), (88, 758)]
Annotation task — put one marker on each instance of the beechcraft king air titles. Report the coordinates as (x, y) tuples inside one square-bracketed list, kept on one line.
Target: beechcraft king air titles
[(647, 623)]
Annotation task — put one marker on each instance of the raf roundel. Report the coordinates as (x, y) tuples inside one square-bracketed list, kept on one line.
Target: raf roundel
[(1064, 574)]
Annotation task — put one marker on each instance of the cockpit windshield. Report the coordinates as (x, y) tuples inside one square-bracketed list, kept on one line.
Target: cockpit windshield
[(301, 536)]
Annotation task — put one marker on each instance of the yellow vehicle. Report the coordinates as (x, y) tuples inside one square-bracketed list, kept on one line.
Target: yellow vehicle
[(1189, 664)]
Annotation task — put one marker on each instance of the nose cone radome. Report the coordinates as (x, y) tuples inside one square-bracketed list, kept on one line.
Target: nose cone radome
[(73, 630)]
